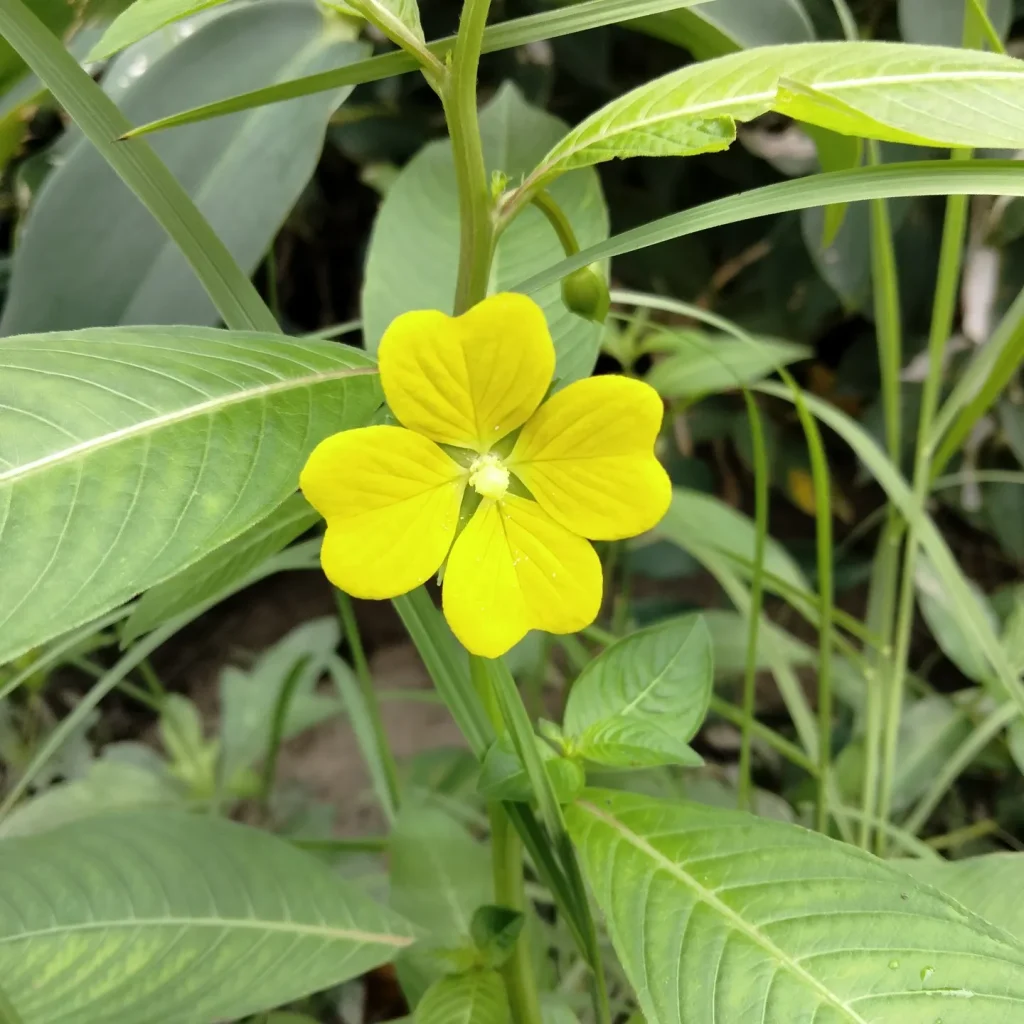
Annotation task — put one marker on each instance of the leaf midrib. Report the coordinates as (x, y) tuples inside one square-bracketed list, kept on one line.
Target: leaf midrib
[(181, 415), (243, 923), (708, 897), (659, 678), (718, 107)]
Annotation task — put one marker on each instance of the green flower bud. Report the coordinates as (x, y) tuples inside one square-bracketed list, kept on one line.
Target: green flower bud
[(585, 293)]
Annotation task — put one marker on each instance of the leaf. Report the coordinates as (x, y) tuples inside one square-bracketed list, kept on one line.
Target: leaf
[(695, 521), (142, 18), (440, 875), (109, 785), (221, 569), (414, 249), (644, 697), (727, 25), (105, 262), (941, 22), (126, 455), (230, 290), (716, 915), (396, 17), (503, 776), (991, 886), (889, 91), (478, 997), (699, 363), (248, 699), (946, 624), (505, 35), (182, 919), (494, 931), (729, 632)]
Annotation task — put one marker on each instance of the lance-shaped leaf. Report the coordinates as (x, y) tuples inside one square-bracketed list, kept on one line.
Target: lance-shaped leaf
[(478, 997), (891, 91), (128, 454), (720, 916), (639, 702), (145, 916)]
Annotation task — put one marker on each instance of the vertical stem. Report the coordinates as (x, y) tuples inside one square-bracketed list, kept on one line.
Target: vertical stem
[(884, 578), (509, 891), (954, 233), (507, 867), (277, 723), (745, 787), (459, 96), (362, 667)]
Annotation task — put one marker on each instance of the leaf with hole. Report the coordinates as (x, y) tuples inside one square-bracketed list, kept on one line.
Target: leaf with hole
[(414, 249), (697, 363), (640, 701), (178, 918), (717, 915), (106, 261), (889, 91), (222, 569), (127, 455)]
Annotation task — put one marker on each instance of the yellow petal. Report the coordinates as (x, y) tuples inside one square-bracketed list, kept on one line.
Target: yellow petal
[(514, 569), (588, 457), (472, 379), (391, 500)]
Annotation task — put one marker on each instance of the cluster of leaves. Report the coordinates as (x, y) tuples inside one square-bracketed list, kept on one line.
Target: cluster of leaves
[(161, 461)]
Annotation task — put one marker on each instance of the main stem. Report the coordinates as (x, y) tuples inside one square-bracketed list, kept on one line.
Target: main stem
[(476, 207), (476, 217)]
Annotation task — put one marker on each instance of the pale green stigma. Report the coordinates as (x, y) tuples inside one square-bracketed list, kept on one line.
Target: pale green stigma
[(489, 477)]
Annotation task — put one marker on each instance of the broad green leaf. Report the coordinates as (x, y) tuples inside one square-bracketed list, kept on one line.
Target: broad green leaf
[(727, 25), (160, 192), (991, 886), (109, 785), (105, 261), (439, 875), (222, 569), (889, 91), (142, 18), (177, 918), (698, 363), (478, 997), (941, 22), (413, 259), (248, 698), (126, 455), (698, 521), (717, 915), (640, 701), (503, 777), (943, 617), (503, 36)]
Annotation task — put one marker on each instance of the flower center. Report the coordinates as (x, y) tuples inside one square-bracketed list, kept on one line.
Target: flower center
[(489, 477)]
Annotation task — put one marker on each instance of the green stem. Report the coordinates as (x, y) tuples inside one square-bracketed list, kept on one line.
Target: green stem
[(761, 487), (509, 891), (738, 716), (277, 724), (943, 313), (544, 202), (372, 705), (459, 95), (884, 578)]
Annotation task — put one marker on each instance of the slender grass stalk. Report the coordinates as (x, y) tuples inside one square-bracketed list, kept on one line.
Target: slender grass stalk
[(761, 490), (958, 762), (384, 755), (278, 720), (954, 234)]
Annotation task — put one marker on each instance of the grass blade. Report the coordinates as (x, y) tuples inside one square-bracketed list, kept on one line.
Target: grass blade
[(138, 167), (518, 32), (920, 178)]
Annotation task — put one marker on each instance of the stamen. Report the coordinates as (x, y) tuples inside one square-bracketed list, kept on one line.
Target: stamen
[(489, 477)]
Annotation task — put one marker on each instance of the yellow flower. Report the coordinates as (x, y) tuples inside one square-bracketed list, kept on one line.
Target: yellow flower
[(583, 466)]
